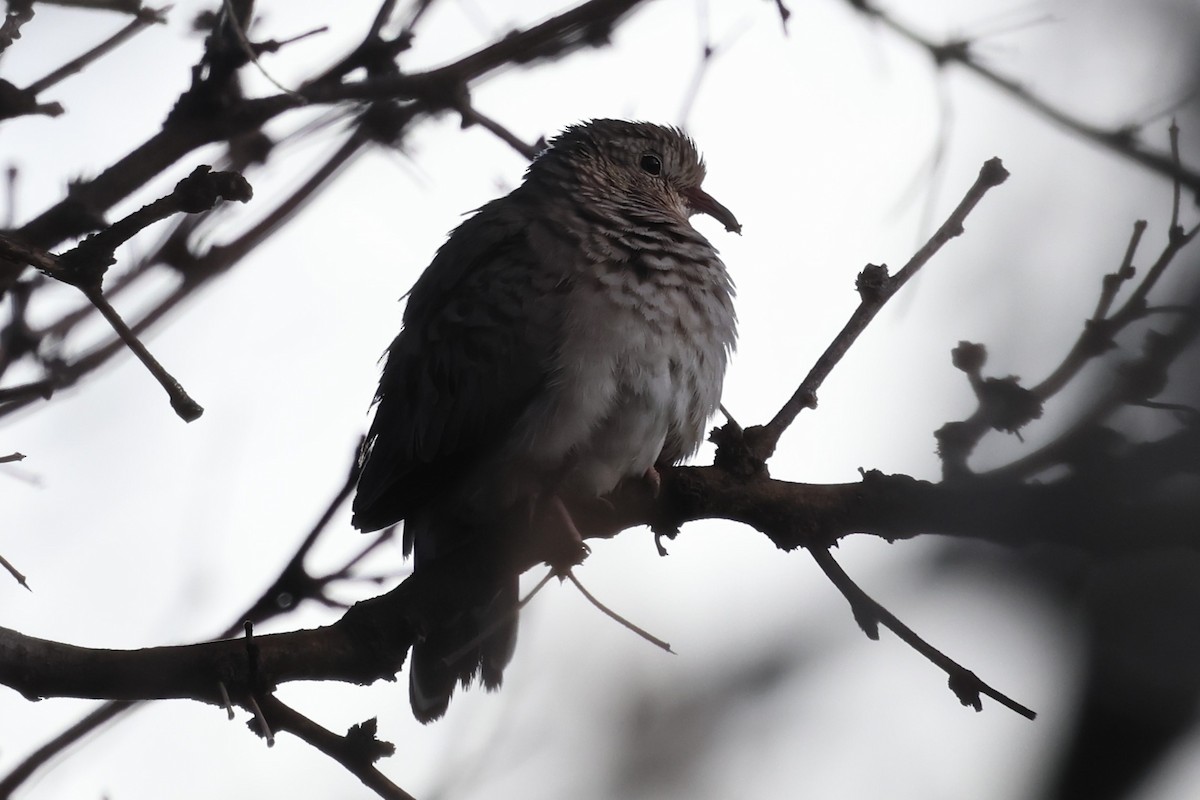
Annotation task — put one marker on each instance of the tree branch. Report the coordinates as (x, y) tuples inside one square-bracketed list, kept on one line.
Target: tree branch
[(875, 287)]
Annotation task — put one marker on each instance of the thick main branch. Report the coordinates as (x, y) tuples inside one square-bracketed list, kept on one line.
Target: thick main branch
[(370, 642)]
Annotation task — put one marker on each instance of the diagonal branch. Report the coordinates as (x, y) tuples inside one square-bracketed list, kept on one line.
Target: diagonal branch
[(875, 287), (84, 265), (869, 614), (356, 751), (144, 18)]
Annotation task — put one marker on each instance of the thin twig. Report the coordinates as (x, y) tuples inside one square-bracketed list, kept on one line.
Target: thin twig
[(260, 719), (384, 14), (875, 289), (84, 265), (472, 116), (965, 684), (215, 262), (248, 49), (649, 637), (1088, 346), (187, 408), (151, 16), (1173, 133), (4, 562), (355, 753), (1120, 141), (43, 755)]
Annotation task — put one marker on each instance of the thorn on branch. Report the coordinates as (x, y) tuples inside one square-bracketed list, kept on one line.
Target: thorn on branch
[(254, 686), (785, 14), (259, 724), (274, 45), (225, 701), (7, 565)]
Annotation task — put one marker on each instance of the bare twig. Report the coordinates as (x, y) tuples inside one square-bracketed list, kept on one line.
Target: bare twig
[(143, 20), (187, 408), (251, 55), (1122, 141), (875, 288), (7, 565), (23, 771), (356, 751), (965, 684), (84, 266), (200, 191), (196, 273), (121, 6), (649, 637), (472, 116), (1010, 406)]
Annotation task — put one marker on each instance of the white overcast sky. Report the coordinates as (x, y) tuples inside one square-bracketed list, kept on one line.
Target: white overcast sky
[(136, 529)]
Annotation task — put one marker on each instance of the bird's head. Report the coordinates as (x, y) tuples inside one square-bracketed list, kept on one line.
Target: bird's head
[(650, 169)]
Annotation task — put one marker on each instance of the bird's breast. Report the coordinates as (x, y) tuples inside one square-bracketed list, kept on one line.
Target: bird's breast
[(639, 370)]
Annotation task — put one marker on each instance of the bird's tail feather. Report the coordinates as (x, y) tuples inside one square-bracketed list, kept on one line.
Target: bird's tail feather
[(479, 644)]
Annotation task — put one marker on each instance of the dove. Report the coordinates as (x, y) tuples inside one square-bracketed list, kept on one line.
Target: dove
[(568, 336)]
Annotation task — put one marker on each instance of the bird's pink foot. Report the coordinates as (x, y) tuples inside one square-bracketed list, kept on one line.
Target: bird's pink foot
[(654, 479)]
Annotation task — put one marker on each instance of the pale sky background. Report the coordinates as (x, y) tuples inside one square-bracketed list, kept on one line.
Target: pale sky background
[(136, 529)]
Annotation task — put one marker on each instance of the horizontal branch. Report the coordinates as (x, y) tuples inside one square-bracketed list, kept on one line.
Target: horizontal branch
[(371, 640)]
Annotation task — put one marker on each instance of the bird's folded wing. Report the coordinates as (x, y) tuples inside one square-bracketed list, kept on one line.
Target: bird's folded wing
[(476, 348)]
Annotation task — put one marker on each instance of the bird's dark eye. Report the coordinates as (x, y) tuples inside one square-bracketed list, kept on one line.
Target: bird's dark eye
[(652, 163)]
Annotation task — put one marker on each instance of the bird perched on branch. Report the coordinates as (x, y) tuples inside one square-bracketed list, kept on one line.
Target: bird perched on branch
[(568, 336)]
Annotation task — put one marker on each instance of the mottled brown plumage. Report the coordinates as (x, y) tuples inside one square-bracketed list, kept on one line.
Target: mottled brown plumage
[(566, 337)]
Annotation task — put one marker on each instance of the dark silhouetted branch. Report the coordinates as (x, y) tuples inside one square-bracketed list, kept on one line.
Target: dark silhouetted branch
[(875, 288)]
